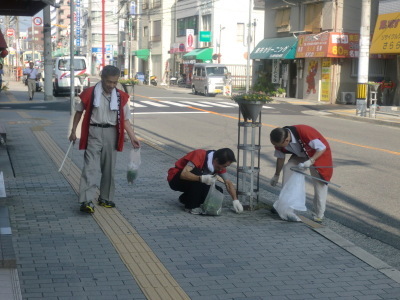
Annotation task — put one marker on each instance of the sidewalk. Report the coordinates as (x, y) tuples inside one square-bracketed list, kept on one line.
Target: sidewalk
[(148, 247)]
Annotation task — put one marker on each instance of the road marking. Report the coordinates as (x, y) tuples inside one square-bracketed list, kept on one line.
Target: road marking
[(170, 112), (154, 103), (150, 274), (135, 104), (230, 104), (215, 104), (195, 103), (274, 126), (175, 103)]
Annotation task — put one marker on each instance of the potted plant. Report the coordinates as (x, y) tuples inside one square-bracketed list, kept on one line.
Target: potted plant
[(82, 77), (374, 85), (281, 92), (128, 84), (251, 103)]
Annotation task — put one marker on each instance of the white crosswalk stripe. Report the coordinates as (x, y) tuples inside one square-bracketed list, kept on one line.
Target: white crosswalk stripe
[(154, 103), (215, 104), (175, 103), (165, 103), (195, 104)]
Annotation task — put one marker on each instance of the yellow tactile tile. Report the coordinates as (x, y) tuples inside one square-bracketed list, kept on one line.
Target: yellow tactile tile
[(150, 274)]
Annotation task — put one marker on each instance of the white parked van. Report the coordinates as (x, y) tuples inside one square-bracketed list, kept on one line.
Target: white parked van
[(62, 74), (209, 79)]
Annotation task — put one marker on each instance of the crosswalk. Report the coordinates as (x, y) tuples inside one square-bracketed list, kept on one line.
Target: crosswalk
[(202, 104)]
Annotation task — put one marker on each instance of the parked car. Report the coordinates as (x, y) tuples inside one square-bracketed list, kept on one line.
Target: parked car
[(209, 79), (62, 74)]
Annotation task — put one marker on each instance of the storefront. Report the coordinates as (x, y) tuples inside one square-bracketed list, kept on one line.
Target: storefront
[(200, 55), (386, 42), (324, 64), (274, 57)]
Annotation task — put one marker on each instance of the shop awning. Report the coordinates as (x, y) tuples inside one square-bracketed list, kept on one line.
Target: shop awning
[(386, 38), (204, 54), (61, 52), (142, 53), (275, 48), (3, 43), (23, 7)]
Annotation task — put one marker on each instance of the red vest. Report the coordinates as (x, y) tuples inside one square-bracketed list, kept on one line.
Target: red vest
[(304, 134), (197, 157), (87, 97)]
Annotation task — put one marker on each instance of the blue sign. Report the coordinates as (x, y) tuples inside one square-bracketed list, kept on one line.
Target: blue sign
[(78, 22)]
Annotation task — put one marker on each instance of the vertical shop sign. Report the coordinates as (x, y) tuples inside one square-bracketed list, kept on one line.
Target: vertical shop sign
[(78, 22), (190, 40), (275, 71), (326, 79)]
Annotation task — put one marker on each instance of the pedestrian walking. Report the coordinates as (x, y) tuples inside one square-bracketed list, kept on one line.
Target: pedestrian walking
[(307, 146), (194, 173), (32, 76), (106, 116)]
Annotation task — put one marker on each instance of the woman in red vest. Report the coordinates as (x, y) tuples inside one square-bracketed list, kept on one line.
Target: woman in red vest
[(307, 146)]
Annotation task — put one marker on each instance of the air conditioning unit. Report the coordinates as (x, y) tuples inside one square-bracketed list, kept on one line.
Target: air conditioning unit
[(348, 98)]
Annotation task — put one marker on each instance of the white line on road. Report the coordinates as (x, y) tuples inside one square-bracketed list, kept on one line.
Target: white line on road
[(195, 103), (171, 112), (154, 103), (175, 103), (215, 104)]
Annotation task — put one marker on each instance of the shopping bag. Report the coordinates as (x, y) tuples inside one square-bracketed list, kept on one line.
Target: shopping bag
[(133, 165), (292, 197), (213, 204)]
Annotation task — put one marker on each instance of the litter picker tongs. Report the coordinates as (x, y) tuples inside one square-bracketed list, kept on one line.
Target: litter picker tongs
[(300, 170), (66, 155)]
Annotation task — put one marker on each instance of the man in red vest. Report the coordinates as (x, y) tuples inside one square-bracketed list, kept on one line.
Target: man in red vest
[(194, 173), (307, 146), (106, 116)]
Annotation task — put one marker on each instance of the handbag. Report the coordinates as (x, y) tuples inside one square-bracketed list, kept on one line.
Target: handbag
[(213, 204)]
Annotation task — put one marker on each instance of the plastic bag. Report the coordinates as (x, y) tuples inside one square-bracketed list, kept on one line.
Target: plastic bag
[(213, 204), (133, 166), (292, 197)]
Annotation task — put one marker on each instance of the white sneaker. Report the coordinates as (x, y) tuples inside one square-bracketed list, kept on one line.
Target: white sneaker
[(196, 211)]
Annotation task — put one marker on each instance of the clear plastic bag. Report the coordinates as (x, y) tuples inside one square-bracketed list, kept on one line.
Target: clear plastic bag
[(292, 197), (133, 166), (213, 204)]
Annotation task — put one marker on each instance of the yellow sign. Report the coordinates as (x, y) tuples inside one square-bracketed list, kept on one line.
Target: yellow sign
[(326, 79), (386, 39)]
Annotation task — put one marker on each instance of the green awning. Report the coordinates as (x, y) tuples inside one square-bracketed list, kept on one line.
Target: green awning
[(204, 54), (61, 52), (275, 48), (142, 53)]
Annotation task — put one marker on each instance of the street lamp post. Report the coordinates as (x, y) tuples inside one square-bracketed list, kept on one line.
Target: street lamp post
[(219, 43)]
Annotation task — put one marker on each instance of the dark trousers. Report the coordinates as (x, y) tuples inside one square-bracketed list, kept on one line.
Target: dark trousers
[(194, 192)]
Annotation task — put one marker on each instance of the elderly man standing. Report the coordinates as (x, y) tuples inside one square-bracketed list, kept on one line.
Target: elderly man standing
[(33, 74), (106, 116)]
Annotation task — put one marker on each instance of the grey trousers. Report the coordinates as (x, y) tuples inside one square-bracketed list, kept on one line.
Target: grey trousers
[(320, 188), (31, 87), (101, 150)]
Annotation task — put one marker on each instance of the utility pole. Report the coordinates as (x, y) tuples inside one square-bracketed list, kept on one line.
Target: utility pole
[(89, 36), (72, 54), (33, 42), (363, 60), (48, 64), (248, 49), (103, 33)]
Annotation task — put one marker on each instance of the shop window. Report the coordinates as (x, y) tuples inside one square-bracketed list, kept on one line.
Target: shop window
[(156, 31), (313, 17), (156, 3), (376, 67), (240, 32), (282, 20), (187, 23)]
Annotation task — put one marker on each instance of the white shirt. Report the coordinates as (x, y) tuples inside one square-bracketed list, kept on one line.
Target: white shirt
[(296, 148), (32, 73)]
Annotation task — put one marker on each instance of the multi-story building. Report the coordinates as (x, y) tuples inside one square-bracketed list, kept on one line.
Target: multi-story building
[(311, 49)]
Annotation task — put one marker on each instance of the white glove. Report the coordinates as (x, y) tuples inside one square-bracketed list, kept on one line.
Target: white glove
[(305, 165), (274, 181), (237, 206), (208, 179)]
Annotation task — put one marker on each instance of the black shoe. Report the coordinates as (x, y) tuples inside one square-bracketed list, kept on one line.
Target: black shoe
[(87, 207), (273, 211), (30, 98), (105, 203)]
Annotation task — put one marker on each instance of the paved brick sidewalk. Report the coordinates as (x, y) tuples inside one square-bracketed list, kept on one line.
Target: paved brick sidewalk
[(63, 254)]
